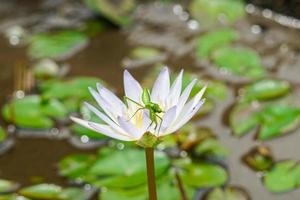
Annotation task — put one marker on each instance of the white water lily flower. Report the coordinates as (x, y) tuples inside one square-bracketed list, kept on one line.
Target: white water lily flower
[(125, 122)]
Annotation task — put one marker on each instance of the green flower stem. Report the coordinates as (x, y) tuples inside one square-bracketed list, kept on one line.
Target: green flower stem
[(151, 173)]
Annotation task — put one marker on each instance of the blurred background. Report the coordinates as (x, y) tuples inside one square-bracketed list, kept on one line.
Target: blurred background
[(242, 145)]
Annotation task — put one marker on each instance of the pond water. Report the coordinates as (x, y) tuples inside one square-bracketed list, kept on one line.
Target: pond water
[(31, 158)]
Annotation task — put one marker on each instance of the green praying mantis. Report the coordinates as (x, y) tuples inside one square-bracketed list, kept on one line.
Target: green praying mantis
[(152, 107)]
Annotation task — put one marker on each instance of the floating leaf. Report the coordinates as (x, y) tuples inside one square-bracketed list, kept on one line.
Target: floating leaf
[(265, 89), (238, 61), (2, 134), (33, 112), (122, 176), (12, 197), (209, 12), (277, 119), (229, 193), (273, 120), (74, 166), (118, 12), (73, 194), (259, 158), (204, 175), (42, 191), (58, 45), (211, 147), (242, 119), (283, 177), (46, 68), (7, 186), (210, 41), (144, 53)]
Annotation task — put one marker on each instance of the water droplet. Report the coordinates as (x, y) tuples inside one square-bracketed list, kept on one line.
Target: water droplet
[(184, 16), (256, 29), (267, 13), (193, 24), (183, 154), (177, 9), (87, 187), (250, 8), (11, 128), (120, 146), (84, 139), (14, 40), (54, 131), (20, 94)]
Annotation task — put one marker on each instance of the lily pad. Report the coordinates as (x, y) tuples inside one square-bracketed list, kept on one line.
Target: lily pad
[(12, 197), (277, 119), (7, 186), (265, 89), (228, 193), (259, 158), (71, 92), (42, 191), (113, 176), (58, 45), (144, 52), (242, 119), (34, 112), (211, 147), (201, 175), (283, 177), (238, 61), (210, 41), (211, 12), (274, 120), (118, 12), (2, 134)]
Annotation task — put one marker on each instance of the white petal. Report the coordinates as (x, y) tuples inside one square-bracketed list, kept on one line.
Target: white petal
[(132, 88), (175, 91), (103, 104), (146, 121), (184, 96), (130, 128), (186, 118), (161, 87), (115, 103), (105, 118), (168, 119), (103, 129)]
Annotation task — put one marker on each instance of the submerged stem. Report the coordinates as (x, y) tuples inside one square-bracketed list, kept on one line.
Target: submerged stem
[(151, 173)]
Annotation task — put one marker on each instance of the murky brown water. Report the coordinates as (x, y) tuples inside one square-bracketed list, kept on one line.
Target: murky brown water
[(32, 158)]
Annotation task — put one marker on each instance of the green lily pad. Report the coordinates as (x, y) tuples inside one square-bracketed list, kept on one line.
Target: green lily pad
[(277, 119), (204, 175), (274, 119), (211, 147), (259, 158), (42, 191), (144, 52), (229, 193), (74, 166), (283, 177), (210, 41), (46, 68), (210, 12), (113, 176), (7, 186), (58, 45), (33, 112), (12, 197), (73, 194), (118, 12), (238, 61), (2, 134), (120, 176), (265, 89), (71, 92), (242, 119)]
